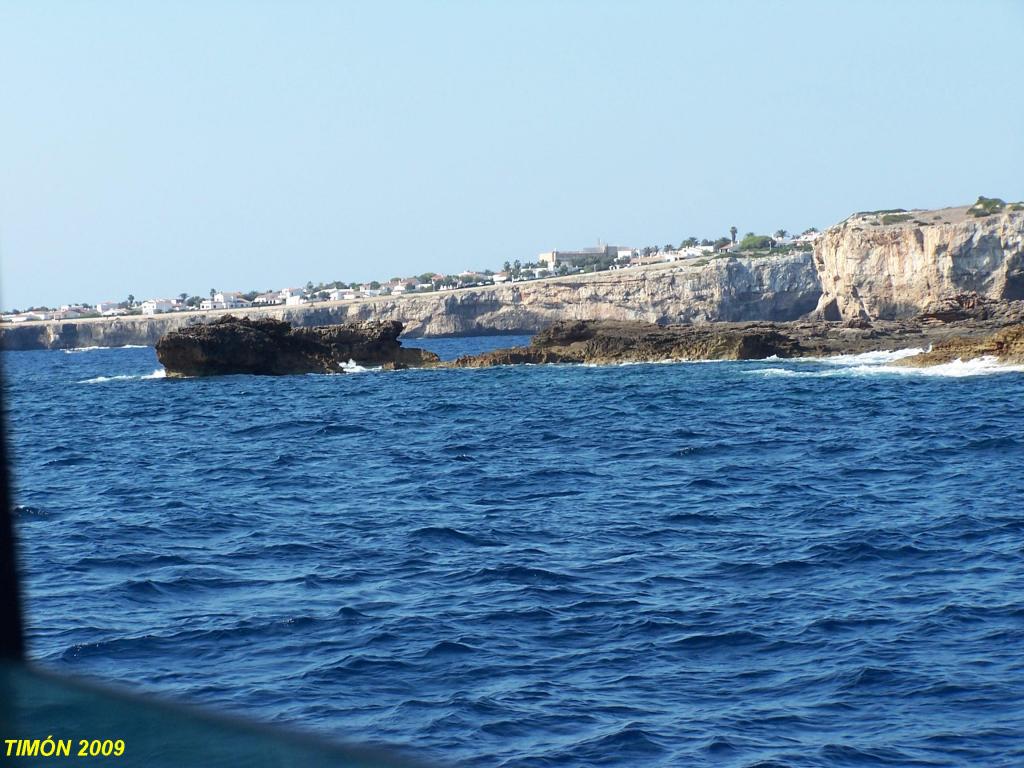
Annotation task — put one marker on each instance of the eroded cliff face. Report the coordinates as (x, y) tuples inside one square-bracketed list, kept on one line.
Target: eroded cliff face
[(871, 269), (731, 289), (774, 288)]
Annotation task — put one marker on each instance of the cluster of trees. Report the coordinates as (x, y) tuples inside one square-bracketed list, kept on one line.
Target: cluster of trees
[(752, 242), (31, 309), (755, 242), (528, 271)]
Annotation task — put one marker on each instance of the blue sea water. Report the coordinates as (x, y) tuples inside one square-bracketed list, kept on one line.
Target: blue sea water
[(777, 563)]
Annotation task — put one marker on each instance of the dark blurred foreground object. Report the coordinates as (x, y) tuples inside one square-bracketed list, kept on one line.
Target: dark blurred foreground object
[(37, 706)]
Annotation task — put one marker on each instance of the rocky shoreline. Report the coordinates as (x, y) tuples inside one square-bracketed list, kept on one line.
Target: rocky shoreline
[(963, 327), (606, 342)]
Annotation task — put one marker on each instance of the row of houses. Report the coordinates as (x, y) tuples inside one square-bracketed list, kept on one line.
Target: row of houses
[(65, 312), (549, 263)]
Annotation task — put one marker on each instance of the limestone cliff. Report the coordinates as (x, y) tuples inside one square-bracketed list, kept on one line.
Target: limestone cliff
[(895, 265), (730, 289), (774, 288)]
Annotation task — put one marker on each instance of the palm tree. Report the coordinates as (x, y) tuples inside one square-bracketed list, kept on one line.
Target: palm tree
[(213, 292), (131, 300), (506, 267), (733, 231), (780, 234)]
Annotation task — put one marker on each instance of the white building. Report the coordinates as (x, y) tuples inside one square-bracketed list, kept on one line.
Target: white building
[(807, 237), (231, 300), (105, 306), (156, 306), (291, 296), (268, 299), (225, 300)]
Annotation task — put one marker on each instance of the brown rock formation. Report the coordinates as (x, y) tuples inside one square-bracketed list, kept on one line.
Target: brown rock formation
[(272, 347), (610, 341)]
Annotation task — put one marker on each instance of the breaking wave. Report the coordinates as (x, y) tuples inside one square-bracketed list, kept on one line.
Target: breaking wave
[(353, 367), (880, 364), (77, 350), (880, 357), (159, 373)]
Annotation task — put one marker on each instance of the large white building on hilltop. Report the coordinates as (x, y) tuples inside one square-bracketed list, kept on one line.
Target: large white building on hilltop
[(552, 259)]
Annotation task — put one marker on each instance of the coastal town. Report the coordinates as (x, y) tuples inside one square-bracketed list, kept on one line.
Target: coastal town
[(549, 264)]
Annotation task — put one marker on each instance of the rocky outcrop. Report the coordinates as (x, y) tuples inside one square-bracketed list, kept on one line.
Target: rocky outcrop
[(272, 347), (893, 265), (610, 341), (1005, 345)]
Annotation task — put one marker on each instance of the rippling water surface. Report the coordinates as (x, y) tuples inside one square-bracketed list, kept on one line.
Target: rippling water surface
[(775, 563)]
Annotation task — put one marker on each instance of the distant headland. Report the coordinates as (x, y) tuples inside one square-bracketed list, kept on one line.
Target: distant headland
[(890, 265)]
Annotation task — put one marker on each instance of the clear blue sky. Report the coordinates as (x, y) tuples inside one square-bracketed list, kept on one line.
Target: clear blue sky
[(154, 148)]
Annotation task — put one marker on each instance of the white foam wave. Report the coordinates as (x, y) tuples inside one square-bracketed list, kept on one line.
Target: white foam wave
[(77, 350), (352, 367), (880, 357), (159, 373), (783, 372), (666, 361), (981, 366)]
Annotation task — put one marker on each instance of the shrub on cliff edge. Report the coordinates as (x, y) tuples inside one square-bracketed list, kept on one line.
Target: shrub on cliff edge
[(986, 206)]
